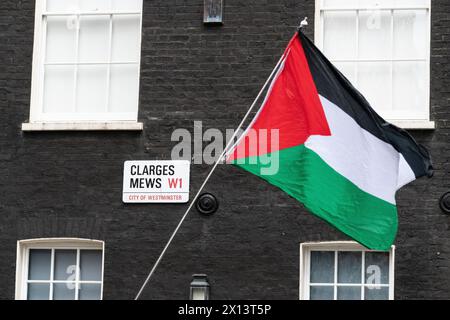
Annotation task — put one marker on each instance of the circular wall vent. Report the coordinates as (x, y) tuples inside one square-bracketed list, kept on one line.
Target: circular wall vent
[(207, 204), (444, 203)]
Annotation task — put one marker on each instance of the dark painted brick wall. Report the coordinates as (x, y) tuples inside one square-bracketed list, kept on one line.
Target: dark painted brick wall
[(69, 184)]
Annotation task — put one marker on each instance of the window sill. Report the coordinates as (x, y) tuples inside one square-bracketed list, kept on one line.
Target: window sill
[(414, 124), (83, 126)]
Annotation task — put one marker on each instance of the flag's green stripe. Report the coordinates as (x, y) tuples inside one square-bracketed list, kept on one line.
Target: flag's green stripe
[(329, 195)]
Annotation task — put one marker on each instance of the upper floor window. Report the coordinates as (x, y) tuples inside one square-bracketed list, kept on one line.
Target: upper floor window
[(59, 269), (345, 271), (86, 61), (383, 48)]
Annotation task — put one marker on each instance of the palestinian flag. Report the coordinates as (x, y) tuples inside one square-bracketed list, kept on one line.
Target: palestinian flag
[(318, 139)]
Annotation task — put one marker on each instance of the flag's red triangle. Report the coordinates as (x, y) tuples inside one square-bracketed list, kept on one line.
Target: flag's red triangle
[(292, 106)]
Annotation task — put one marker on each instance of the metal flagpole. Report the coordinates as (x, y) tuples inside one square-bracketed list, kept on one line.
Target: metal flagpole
[(207, 178)]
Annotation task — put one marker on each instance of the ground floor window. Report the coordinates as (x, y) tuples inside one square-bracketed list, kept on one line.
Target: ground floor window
[(59, 269), (345, 271)]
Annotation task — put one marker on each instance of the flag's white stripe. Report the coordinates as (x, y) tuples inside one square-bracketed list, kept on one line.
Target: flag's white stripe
[(370, 163), (405, 173)]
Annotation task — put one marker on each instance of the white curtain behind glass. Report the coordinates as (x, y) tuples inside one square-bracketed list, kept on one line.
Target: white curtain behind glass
[(91, 61), (382, 50)]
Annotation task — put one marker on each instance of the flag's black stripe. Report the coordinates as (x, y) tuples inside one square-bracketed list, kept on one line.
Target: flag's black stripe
[(333, 85)]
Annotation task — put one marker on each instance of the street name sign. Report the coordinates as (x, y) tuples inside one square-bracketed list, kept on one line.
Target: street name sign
[(165, 181)]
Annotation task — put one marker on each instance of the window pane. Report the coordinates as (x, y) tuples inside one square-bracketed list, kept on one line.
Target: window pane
[(410, 34), (94, 39), (92, 91), (340, 3), (124, 92), (375, 34), (39, 264), (62, 5), (349, 293), (412, 3), (65, 264), (128, 5), (91, 265), (376, 293), (375, 3), (349, 267), (58, 89), (322, 267), (374, 82), (61, 33), (377, 267), (90, 292), (38, 291), (321, 293), (64, 291), (410, 77), (340, 34), (126, 40), (348, 69), (96, 5)]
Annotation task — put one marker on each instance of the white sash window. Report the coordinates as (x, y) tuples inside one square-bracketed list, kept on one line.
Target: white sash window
[(59, 269), (345, 271), (383, 48), (86, 61)]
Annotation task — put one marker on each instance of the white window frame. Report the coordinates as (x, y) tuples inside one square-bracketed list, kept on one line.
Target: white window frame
[(424, 123), (305, 263), (36, 123), (22, 260)]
